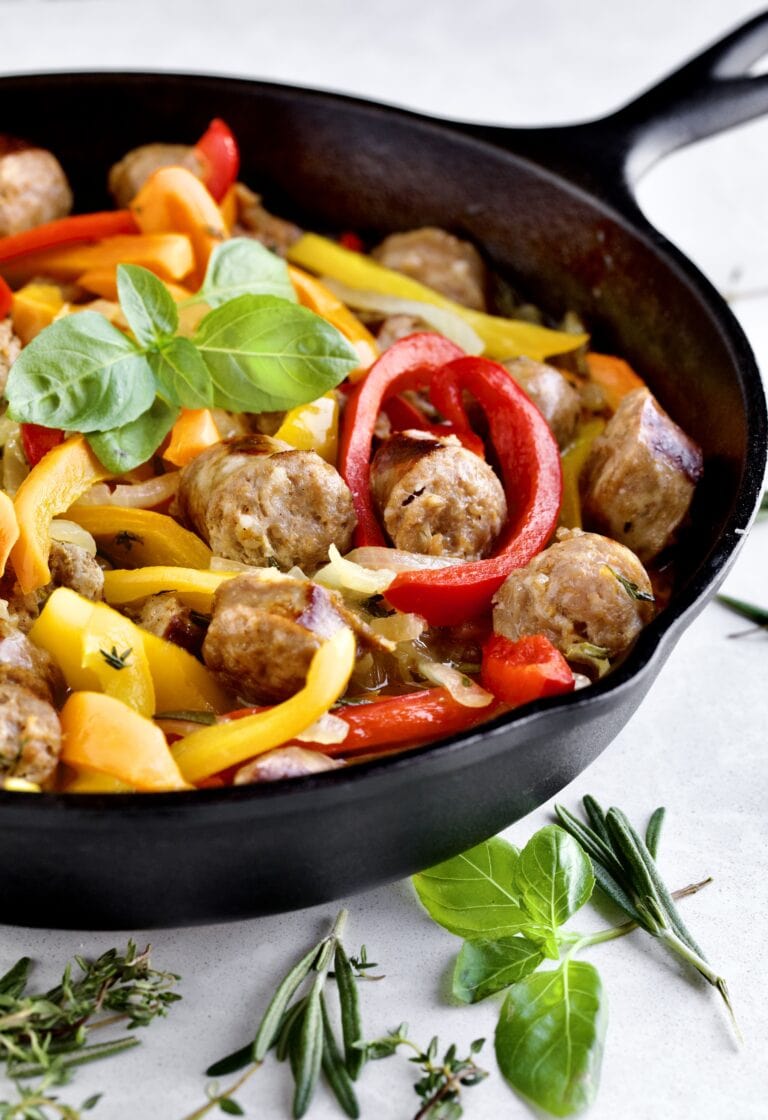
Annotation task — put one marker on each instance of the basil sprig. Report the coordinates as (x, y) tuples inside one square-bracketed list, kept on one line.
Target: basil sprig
[(511, 905), (256, 350)]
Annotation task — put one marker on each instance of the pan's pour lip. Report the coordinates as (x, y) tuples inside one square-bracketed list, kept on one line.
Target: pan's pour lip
[(651, 645)]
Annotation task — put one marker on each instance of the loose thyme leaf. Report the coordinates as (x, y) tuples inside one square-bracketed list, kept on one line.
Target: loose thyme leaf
[(631, 588), (147, 304)]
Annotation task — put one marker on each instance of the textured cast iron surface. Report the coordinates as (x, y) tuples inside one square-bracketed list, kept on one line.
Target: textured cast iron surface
[(334, 163)]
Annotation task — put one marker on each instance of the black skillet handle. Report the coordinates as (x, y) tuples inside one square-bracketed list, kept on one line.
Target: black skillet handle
[(712, 92)]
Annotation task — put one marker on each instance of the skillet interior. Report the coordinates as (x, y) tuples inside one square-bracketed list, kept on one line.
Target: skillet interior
[(336, 163)]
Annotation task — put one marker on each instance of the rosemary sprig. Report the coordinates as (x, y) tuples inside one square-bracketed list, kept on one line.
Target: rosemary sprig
[(626, 871), (442, 1080), (755, 614), (302, 1030), (114, 659), (632, 588)]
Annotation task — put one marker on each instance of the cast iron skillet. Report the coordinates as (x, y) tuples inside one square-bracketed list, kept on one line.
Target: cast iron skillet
[(554, 210)]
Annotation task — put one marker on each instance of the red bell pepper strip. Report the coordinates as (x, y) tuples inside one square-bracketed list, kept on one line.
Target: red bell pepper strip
[(530, 464), (65, 231), (410, 363), (37, 441), (525, 670), (6, 299), (220, 156)]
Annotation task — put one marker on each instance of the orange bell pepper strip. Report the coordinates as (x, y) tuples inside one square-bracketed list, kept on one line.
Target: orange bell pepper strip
[(135, 538), (228, 208), (101, 734), (196, 588), (194, 430), (324, 302), (59, 479), (33, 308), (168, 254), (614, 376), (215, 748), (173, 199), (66, 231), (103, 282), (9, 529)]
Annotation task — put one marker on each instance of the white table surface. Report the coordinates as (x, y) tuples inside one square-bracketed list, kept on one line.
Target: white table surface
[(697, 745)]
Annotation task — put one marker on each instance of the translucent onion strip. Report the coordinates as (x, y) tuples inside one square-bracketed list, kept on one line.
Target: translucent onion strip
[(69, 532), (343, 574), (441, 319), (137, 495), (461, 687), (396, 560), (326, 730)]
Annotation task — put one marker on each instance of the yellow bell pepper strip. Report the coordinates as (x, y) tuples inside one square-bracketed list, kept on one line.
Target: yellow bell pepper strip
[(503, 338), (34, 307), (313, 427), (194, 430), (615, 377), (19, 785), (195, 588), (135, 538), (181, 682), (212, 749), (9, 529), (168, 254), (324, 302), (96, 648), (173, 199), (100, 733), (59, 479), (573, 459), (92, 781)]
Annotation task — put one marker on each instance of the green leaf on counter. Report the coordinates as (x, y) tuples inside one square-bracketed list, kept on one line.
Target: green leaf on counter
[(147, 305), (81, 374), (472, 895), (121, 449), (264, 354), (549, 1038), (554, 879), (486, 967), (243, 266)]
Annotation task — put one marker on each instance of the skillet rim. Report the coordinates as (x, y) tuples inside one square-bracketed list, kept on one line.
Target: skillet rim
[(649, 651)]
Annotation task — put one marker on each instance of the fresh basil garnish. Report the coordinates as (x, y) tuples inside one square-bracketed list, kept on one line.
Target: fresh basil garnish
[(81, 374), (125, 447), (264, 354), (182, 375), (242, 267), (147, 304)]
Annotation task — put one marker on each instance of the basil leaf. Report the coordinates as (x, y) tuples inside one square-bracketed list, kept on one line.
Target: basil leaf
[(182, 375), (82, 374), (243, 266), (473, 894), (550, 1034), (554, 878), (264, 354), (121, 449), (147, 304), (485, 967)]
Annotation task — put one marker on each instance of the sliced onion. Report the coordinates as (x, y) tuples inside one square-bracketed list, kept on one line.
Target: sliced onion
[(343, 574), (461, 687), (285, 762), (69, 532), (444, 321), (137, 495), (399, 627), (376, 558), (15, 465), (8, 428), (326, 730)]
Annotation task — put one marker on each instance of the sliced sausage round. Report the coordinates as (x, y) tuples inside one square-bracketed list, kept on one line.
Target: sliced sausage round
[(33, 187), (578, 590), (259, 501), (30, 734), (436, 497), (554, 396), (640, 476), (441, 261), (127, 177)]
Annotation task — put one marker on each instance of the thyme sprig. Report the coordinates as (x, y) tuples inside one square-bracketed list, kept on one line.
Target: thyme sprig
[(45, 1035), (442, 1079), (625, 870)]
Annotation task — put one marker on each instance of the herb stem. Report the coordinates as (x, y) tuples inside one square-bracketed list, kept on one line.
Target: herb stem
[(678, 946), (215, 1101)]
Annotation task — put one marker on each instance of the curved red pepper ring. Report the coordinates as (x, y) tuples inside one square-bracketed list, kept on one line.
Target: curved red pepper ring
[(530, 464), (37, 441), (6, 299), (409, 364), (220, 155), (403, 415)]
